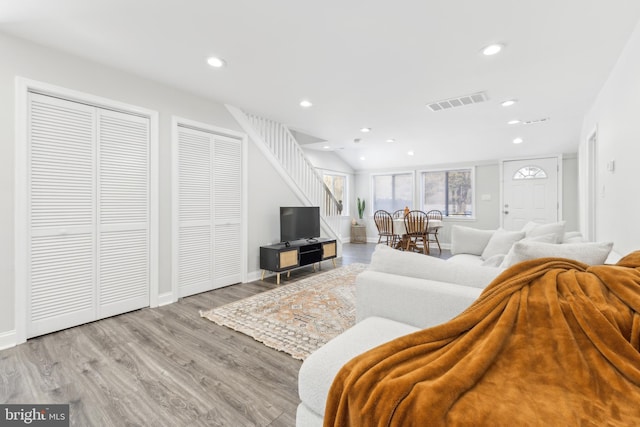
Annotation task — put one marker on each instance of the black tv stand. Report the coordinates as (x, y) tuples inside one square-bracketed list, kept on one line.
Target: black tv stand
[(288, 256)]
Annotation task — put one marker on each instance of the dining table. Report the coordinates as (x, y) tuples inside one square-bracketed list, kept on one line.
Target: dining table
[(400, 229)]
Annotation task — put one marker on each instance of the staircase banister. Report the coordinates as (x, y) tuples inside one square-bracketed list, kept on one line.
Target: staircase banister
[(301, 151), (243, 120), (281, 148), (331, 195)]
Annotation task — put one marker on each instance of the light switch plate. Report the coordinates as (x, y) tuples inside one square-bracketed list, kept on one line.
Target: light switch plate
[(611, 166)]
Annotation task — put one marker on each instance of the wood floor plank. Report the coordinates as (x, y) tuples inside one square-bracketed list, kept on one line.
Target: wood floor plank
[(164, 366)]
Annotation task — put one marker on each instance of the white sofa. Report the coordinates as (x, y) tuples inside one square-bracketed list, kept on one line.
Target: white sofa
[(399, 293), (418, 290), (502, 248), (403, 292)]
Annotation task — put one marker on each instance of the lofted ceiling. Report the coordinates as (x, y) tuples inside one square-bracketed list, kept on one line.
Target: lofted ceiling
[(363, 63)]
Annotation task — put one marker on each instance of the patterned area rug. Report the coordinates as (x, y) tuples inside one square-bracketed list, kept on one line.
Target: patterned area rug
[(296, 318)]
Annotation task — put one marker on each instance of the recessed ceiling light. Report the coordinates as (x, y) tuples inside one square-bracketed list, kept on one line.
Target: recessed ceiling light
[(362, 158), (365, 130), (326, 147), (410, 153), (508, 102), (513, 122), (391, 140), (215, 62), (518, 141), (492, 49), (305, 103)]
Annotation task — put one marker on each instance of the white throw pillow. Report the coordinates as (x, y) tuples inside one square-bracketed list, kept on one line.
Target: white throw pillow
[(592, 253), (572, 237), (529, 226), (545, 238), (536, 230), (494, 261), (411, 264), (500, 242), (467, 240)]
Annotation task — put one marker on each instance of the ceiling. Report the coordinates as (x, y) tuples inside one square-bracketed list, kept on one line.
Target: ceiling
[(363, 63)]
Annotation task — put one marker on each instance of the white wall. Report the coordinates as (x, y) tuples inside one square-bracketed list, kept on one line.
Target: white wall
[(570, 193), (268, 192), (327, 160), (21, 58), (615, 114)]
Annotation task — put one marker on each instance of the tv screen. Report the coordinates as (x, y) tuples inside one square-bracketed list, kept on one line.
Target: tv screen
[(297, 223)]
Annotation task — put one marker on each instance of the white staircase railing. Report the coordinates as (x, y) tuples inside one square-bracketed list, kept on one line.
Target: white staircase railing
[(284, 151)]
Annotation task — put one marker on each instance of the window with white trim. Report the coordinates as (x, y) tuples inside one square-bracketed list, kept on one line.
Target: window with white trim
[(337, 184), (392, 191), (530, 172), (449, 191)]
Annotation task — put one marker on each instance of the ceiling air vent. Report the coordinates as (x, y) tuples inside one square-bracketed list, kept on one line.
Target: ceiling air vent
[(459, 101), (533, 122)]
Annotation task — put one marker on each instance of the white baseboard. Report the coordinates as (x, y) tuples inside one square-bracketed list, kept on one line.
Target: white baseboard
[(7, 340), (254, 275), (166, 299)]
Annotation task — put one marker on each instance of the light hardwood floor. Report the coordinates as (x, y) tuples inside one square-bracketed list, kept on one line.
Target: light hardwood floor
[(164, 366)]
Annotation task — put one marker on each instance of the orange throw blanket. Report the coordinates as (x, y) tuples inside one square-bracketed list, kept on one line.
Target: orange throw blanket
[(549, 342)]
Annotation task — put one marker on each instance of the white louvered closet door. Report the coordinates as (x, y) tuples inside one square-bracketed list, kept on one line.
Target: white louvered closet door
[(88, 214), (123, 213), (209, 211), (61, 291), (227, 184), (195, 212)]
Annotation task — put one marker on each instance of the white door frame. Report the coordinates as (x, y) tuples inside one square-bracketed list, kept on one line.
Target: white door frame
[(21, 245), (501, 167), (175, 229), (591, 193)]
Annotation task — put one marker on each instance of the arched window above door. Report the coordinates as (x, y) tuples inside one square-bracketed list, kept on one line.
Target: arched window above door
[(530, 172)]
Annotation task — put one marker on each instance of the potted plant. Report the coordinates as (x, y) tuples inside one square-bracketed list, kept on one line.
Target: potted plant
[(361, 205), (358, 227)]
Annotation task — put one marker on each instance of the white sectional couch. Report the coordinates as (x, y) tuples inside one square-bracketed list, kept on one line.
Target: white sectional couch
[(501, 248), (399, 293), (418, 290), (403, 292)]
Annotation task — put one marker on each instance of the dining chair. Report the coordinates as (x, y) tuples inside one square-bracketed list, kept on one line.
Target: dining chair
[(416, 224), (432, 232), (399, 229), (398, 214), (384, 223)]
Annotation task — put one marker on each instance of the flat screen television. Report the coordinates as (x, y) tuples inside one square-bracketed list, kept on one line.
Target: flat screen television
[(299, 222)]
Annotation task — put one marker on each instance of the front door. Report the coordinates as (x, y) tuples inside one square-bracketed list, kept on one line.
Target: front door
[(530, 192)]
